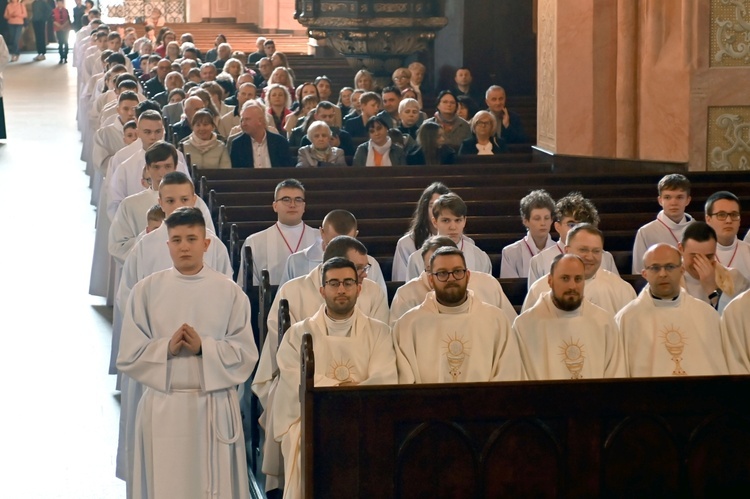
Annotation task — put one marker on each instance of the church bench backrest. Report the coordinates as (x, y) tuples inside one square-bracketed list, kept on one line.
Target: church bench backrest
[(665, 437), (284, 319)]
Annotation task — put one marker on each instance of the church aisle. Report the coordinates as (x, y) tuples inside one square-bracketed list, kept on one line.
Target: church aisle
[(60, 417)]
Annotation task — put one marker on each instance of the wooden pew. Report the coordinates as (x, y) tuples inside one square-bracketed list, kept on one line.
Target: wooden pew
[(660, 437)]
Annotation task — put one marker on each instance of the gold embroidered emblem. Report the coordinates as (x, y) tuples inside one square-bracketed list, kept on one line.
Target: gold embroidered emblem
[(341, 370), (573, 357), (456, 351), (674, 341)]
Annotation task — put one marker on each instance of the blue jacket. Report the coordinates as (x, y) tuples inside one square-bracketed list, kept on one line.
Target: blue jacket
[(278, 150)]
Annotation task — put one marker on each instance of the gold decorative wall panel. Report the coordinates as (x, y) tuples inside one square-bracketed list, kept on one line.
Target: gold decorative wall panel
[(547, 63), (730, 33), (728, 145)]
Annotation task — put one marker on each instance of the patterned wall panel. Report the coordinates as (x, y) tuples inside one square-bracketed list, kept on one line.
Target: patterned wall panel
[(173, 11), (730, 32), (547, 62), (728, 146)]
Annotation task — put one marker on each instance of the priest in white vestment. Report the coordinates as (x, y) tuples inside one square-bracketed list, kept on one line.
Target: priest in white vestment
[(723, 212), (665, 331), (350, 349), (705, 278), (303, 294), (449, 217), (187, 339), (674, 197), (537, 208), (452, 337), (570, 211), (272, 246), (564, 336), (735, 334), (485, 287), (603, 288), (336, 223), (151, 255)]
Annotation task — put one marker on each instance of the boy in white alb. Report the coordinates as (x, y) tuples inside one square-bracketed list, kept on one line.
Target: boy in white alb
[(537, 208), (272, 247), (723, 213), (674, 197), (187, 339), (449, 217)]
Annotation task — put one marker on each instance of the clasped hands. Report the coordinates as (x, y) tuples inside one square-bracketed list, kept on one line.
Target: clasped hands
[(186, 337)]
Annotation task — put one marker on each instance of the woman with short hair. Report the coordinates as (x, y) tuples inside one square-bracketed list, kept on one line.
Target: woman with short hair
[(379, 150), (319, 152), (203, 145)]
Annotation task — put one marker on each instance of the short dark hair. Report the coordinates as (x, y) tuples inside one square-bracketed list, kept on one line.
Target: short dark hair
[(322, 78), (435, 242), (342, 221), (447, 251), (370, 96), (340, 246), (127, 95), (161, 151), (390, 89), (674, 182), (451, 202), (185, 215), (290, 183), (337, 262), (127, 85), (116, 58), (176, 178), (591, 229), (147, 105), (130, 124), (148, 115), (443, 93), (699, 232), (376, 119), (718, 196)]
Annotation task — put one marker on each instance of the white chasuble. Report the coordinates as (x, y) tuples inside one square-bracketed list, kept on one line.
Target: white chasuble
[(735, 334), (189, 441), (365, 356), (471, 343), (476, 259), (678, 337), (485, 287), (581, 344)]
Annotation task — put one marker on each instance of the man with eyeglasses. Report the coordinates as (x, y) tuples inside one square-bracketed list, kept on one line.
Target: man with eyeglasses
[(485, 287), (665, 331), (570, 211), (603, 288), (453, 337), (271, 247), (564, 336), (705, 277), (336, 223), (350, 349), (305, 299), (723, 215)]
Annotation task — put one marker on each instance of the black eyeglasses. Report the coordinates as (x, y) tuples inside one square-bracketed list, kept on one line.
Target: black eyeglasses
[(335, 283), (722, 215), (442, 275), (289, 200)]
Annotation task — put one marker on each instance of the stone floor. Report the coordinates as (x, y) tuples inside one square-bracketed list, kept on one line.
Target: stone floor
[(58, 425)]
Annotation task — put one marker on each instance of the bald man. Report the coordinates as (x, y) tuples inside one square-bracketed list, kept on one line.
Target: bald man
[(564, 336), (667, 332), (182, 128)]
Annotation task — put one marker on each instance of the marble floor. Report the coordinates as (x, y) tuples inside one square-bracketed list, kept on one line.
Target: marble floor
[(58, 425)]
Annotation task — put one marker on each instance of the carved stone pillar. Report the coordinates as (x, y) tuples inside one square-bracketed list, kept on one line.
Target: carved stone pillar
[(374, 34)]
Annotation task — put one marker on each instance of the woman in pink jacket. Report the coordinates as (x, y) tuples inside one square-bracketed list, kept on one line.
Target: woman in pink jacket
[(15, 13)]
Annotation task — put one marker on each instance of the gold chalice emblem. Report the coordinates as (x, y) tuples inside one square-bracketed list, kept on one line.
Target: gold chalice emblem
[(456, 351), (674, 341), (573, 357)]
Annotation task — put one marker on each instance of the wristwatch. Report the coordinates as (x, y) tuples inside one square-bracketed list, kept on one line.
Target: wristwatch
[(714, 294)]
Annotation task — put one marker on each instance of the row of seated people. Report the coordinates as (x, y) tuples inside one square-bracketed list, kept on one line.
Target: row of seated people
[(148, 254)]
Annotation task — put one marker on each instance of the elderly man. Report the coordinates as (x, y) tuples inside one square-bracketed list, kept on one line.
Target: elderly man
[(326, 111), (156, 84), (665, 331), (350, 349), (245, 92), (509, 126), (564, 336), (485, 287), (182, 129), (723, 213), (208, 71), (603, 288), (453, 336), (259, 52), (705, 278), (256, 147), (172, 81)]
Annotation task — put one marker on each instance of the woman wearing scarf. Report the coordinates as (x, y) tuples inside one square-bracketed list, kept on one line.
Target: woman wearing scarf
[(379, 150), (319, 152), (456, 128), (205, 149)]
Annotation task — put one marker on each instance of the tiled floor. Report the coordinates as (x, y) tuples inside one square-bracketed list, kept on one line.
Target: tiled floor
[(58, 421)]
